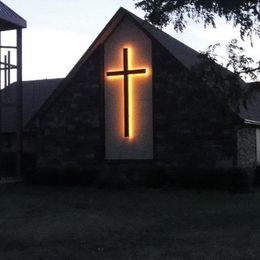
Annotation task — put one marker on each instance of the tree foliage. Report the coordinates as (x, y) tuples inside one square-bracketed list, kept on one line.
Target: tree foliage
[(244, 14), (227, 86), (236, 61)]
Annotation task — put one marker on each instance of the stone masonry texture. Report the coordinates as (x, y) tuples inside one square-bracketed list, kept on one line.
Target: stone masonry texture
[(246, 147), (70, 131), (191, 127)]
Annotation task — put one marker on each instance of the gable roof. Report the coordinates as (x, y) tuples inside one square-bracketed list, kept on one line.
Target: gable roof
[(35, 93), (184, 54), (9, 19)]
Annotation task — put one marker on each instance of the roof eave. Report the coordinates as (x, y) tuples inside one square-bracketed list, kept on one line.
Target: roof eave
[(9, 19), (251, 122), (6, 25)]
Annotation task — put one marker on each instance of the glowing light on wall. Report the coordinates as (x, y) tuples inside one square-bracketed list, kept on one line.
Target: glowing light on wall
[(127, 72)]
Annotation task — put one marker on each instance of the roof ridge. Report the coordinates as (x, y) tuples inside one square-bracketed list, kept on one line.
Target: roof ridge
[(161, 36)]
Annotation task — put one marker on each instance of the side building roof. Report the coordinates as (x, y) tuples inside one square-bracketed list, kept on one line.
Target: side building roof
[(35, 94)]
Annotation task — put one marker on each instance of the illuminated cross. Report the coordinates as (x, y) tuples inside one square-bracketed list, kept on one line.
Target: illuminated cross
[(125, 72)]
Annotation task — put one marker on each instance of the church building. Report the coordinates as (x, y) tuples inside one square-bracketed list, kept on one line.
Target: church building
[(133, 98)]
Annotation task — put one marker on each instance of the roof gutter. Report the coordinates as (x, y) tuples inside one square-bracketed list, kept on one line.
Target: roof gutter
[(251, 122)]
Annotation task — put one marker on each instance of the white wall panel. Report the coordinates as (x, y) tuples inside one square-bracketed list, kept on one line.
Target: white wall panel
[(139, 145)]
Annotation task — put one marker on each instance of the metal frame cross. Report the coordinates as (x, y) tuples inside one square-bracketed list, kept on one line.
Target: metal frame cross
[(125, 72)]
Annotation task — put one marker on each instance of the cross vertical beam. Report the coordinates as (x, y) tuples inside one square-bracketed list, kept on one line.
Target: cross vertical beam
[(126, 92), (125, 72)]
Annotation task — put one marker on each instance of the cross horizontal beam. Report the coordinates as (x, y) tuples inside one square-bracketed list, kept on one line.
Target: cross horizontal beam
[(123, 72)]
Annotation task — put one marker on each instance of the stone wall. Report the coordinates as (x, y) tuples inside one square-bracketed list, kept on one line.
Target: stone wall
[(70, 130), (191, 128), (246, 147), (9, 143), (9, 153)]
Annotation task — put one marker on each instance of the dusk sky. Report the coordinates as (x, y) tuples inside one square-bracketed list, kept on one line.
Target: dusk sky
[(59, 32)]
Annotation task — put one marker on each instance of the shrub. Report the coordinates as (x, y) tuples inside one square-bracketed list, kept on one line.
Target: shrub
[(88, 175), (8, 164), (154, 176), (234, 179), (69, 174), (28, 161), (112, 177), (43, 176), (257, 177), (239, 180)]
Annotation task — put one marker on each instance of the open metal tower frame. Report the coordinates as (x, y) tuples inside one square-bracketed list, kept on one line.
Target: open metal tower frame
[(9, 20)]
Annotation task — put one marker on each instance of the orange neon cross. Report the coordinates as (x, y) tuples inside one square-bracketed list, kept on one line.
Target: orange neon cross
[(125, 72)]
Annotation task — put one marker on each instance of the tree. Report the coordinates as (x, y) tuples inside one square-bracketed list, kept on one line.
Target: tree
[(244, 14), (227, 86)]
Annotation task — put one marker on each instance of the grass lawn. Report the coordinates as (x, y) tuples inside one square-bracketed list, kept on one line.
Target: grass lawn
[(81, 223)]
